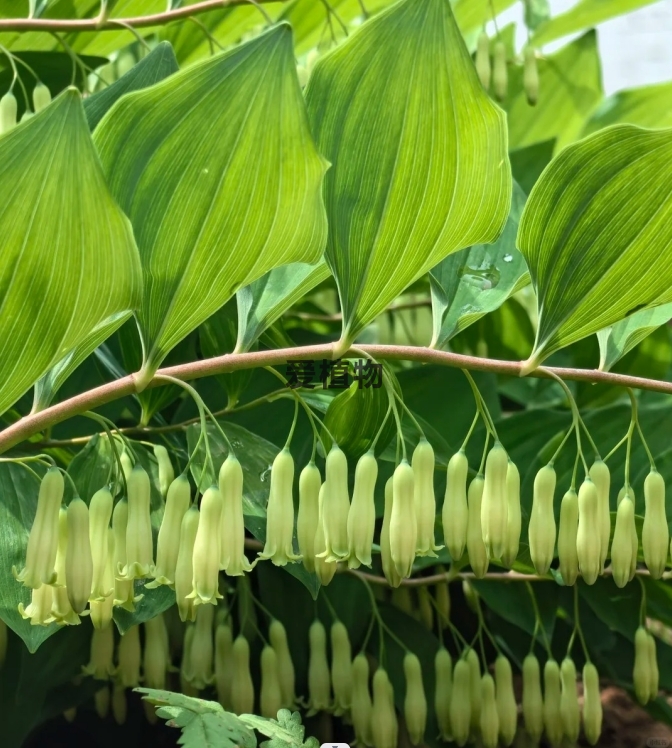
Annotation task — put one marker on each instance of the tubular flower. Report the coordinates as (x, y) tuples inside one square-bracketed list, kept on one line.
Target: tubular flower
[(541, 529), (242, 688), (139, 543), (621, 545), (232, 560), (43, 538), (201, 652), (567, 537), (389, 570), (101, 660), (129, 656), (39, 609), (206, 553), (655, 533), (168, 543), (489, 719), (123, 589), (319, 679), (569, 701), (278, 638), (324, 569), (592, 704), (280, 512), (362, 513), (100, 513), (415, 703), (270, 696), (587, 550), (166, 472), (455, 511), (60, 605), (336, 506), (361, 700), (384, 726), (224, 665), (552, 698), (443, 688), (341, 668), (156, 657), (460, 702), (533, 705), (599, 474), (513, 517), (101, 610), (308, 515), (476, 550), (423, 497), (184, 569), (403, 522), (507, 710), (474, 688), (494, 502), (78, 561)]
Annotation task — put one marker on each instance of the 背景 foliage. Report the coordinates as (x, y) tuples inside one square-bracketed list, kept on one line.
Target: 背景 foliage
[(337, 175)]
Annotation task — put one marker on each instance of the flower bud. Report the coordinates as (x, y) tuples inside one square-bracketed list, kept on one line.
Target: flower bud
[(324, 569), (507, 710), (621, 545), (474, 688), (478, 555), (567, 537), (242, 688), (119, 705), (126, 465), (341, 668), (655, 533), (634, 540), (530, 75), (455, 511), (569, 701), (640, 673), (587, 537), (201, 653), (489, 720), (41, 97), (168, 543), (500, 74), (552, 716), (166, 472), (78, 561), (513, 517), (533, 705), (483, 59), (389, 570), (319, 679), (60, 605), (129, 657), (384, 726), (102, 610), (403, 523), (592, 704), (443, 673), (599, 474), (362, 513), (233, 560), (184, 568), (270, 696), (423, 462), (101, 660), (415, 703), (123, 588), (494, 502), (206, 553), (336, 505), (308, 514), (100, 513), (460, 702), (43, 537), (541, 530), (361, 700), (280, 512), (278, 638), (8, 109), (156, 659), (139, 543), (39, 609), (224, 664)]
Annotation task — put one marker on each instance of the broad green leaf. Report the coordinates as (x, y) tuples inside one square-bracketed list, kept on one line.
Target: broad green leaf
[(256, 456), (203, 723), (69, 259), (527, 163), (583, 15), (536, 13), (646, 106), (593, 265), (159, 64), (616, 341), (216, 168), (262, 302), (418, 153), (217, 336), (570, 85), (474, 281)]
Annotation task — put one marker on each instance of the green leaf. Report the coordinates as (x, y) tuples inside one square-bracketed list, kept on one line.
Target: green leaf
[(262, 302), (203, 723), (536, 13), (159, 64), (527, 163), (616, 341), (217, 336), (18, 488), (593, 266), (474, 281), (217, 170), (256, 456), (570, 86), (646, 106), (584, 14), (69, 259), (285, 732), (411, 133)]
